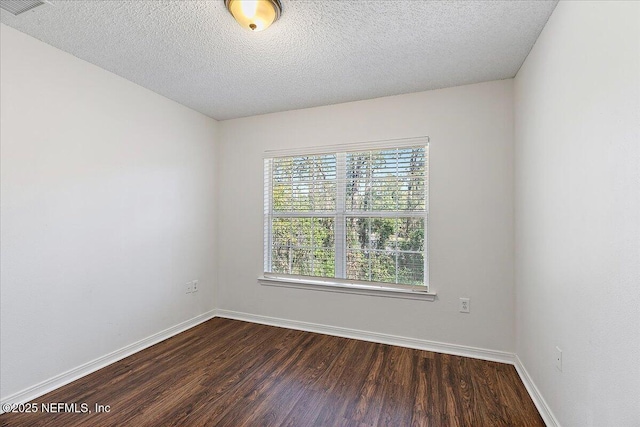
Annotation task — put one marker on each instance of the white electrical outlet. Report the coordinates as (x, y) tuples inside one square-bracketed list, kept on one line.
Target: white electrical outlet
[(465, 305), (558, 359), (189, 287), (195, 286)]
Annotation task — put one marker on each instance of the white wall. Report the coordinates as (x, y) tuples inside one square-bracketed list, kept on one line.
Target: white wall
[(107, 211), (471, 216), (578, 213)]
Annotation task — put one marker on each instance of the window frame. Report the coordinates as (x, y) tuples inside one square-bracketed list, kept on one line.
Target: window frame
[(340, 215)]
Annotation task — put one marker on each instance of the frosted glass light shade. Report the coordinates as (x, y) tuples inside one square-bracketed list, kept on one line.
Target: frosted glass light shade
[(254, 15)]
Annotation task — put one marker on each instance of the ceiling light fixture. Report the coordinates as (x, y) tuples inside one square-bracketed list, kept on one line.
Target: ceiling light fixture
[(254, 15)]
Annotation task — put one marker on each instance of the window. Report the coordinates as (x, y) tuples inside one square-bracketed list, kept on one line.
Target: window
[(355, 215)]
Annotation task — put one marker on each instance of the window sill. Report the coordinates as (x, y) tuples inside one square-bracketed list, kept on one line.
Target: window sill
[(350, 288)]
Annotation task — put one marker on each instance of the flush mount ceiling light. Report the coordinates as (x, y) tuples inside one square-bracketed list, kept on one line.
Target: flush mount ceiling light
[(254, 15)]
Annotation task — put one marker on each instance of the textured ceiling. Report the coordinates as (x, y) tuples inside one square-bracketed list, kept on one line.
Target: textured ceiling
[(318, 53)]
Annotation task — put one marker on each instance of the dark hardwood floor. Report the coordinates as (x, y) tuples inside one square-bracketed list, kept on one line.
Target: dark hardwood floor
[(231, 373)]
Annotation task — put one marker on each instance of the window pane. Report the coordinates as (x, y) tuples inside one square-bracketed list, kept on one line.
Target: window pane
[(410, 268), (324, 180), (303, 246), (304, 184), (301, 200), (282, 169), (324, 263), (301, 232), (281, 232), (301, 262), (380, 266), (411, 194), (383, 267), (323, 233), (411, 234), (375, 243), (386, 180), (357, 233), (295, 232), (371, 233), (357, 264), (384, 194), (382, 233), (282, 197), (324, 196), (358, 179), (280, 259)]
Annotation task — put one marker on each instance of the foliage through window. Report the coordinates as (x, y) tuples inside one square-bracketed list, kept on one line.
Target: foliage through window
[(355, 215)]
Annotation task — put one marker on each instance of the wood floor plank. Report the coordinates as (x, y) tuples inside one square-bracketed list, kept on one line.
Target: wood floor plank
[(231, 373)]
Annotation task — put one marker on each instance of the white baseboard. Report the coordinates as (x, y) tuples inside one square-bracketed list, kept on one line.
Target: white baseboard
[(438, 347), (545, 412), (64, 378)]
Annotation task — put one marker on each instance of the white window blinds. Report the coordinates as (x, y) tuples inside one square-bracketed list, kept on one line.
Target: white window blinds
[(358, 214)]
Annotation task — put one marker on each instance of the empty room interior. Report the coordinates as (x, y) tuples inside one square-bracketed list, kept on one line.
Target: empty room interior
[(320, 213)]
